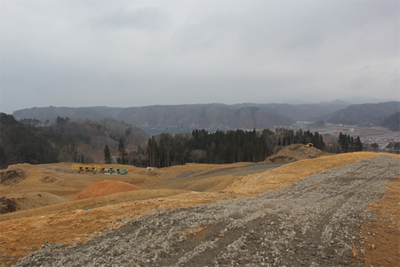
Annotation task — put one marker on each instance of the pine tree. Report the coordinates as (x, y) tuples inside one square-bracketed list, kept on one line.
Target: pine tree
[(358, 144), (107, 156), (122, 154), (343, 142)]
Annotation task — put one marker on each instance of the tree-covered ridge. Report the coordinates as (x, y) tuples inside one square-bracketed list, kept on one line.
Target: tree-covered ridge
[(392, 122), (20, 143), (63, 140), (185, 118), (219, 147), (88, 141)]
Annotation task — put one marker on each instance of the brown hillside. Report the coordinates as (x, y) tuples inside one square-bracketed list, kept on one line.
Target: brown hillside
[(104, 188), (294, 153), (71, 223)]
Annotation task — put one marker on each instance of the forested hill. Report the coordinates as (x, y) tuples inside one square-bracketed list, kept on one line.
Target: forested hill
[(392, 122), (20, 143), (64, 139), (185, 118), (364, 114)]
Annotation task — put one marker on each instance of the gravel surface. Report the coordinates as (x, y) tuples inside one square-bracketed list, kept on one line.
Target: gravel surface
[(311, 223)]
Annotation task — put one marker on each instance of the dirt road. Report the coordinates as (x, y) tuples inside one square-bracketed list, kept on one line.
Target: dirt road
[(313, 222)]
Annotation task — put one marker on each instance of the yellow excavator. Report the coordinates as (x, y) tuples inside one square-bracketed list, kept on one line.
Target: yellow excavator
[(94, 169), (310, 145), (85, 169)]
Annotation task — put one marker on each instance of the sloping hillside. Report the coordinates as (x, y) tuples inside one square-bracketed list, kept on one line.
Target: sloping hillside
[(392, 122), (302, 112), (93, 134), (23, 143), (64, 140), (173, 119), (309, 212), (185, 118), (364, 114), (294, 153)]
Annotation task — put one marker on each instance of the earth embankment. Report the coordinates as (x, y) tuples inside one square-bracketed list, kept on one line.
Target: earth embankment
[(294, 153)]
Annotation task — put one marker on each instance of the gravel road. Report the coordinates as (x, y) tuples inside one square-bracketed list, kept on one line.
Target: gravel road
[(311, 223)]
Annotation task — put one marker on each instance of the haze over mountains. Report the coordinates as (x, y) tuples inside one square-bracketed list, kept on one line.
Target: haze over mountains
[(185, 118)]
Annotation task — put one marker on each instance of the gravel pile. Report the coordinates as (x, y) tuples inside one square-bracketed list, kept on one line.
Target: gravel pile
[(311, 223)]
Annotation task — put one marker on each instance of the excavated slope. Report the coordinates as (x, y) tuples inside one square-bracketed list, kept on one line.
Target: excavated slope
[(104, 188), (294, 153)]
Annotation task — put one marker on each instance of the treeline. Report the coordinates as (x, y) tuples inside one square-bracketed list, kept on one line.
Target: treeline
[(289, 137), (348, 143), (22, 143), (31, 141), (220, 147)]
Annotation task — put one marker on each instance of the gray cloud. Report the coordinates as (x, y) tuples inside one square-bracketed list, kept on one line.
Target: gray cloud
[(145, 18), (121, 53)]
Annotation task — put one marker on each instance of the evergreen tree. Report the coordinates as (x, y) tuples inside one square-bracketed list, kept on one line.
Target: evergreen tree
[(358, 144), (375, 147), (122, 159), (343, 142), (107, 155)]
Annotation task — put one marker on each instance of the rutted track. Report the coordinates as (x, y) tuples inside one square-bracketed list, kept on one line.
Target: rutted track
[(310, 223)]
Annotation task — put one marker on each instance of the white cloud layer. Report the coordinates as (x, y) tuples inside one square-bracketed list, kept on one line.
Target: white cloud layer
[(136, 53)]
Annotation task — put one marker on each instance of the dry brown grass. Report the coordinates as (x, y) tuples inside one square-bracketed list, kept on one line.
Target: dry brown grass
[(294, 172)]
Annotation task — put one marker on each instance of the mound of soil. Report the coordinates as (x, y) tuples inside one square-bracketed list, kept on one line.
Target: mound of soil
[(294, 153), (49, 179), (104, 188), (11, 177), (7, 205)]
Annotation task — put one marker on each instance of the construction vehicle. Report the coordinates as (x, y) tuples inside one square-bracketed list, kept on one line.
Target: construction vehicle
[(94, 169), (79, 168), (310, 145)]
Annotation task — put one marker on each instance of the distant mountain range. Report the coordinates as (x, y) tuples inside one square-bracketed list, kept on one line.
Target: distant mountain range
[(185, 118), (364, 114)]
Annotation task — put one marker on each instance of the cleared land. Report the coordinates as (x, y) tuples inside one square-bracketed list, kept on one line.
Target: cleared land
[(273, 217)]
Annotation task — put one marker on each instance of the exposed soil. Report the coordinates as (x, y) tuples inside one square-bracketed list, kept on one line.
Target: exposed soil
[(272, 217), (7, 205), (294, 153), (379, 242), (105, 188), (46, 187), (12, 177), (315, 220)]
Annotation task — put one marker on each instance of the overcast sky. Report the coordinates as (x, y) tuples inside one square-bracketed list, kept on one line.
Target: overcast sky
[(138, 53)]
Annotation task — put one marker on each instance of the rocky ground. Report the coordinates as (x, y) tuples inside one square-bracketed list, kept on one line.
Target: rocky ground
[(313, 222)]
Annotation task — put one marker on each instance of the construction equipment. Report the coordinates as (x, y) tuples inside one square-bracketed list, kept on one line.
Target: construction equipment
[(310, 145), (80, 168), (94, 169)]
